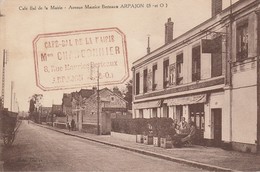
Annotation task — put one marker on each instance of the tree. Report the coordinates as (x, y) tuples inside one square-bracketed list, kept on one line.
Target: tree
[(35, 104), (117, 91), (128, 96)]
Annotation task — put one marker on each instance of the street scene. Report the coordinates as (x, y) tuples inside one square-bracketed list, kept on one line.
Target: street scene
[(123, 86), (52, 151)]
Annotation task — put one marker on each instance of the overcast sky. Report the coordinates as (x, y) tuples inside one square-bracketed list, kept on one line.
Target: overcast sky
[(18, 28)]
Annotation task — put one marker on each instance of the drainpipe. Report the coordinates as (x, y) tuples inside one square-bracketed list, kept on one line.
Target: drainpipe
[(230, 69), (258, 78)]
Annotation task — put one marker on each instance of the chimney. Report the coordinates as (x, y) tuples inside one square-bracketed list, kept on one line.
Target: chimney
[(94, 89), (216, 7), (148, 46), (168, 31)]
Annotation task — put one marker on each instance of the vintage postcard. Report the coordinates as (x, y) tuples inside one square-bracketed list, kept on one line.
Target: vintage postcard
[(125, 85)]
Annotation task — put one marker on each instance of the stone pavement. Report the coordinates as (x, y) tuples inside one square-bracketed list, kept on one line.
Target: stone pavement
[(209, 158)]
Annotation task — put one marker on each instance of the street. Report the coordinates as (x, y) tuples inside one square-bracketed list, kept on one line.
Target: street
[(41, 149)]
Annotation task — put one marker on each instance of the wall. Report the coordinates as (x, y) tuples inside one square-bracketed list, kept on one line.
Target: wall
[(207, 118), (146, 113), (244, 107), (90, 115)]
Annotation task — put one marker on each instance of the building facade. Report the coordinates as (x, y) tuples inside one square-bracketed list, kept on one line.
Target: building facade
[(210, 75), (110, 106)]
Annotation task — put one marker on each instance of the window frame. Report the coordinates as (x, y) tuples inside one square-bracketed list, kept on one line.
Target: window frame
[(241, 27), (137, 83), (179, 67), (196, 57), (166, 65), (154, 69)]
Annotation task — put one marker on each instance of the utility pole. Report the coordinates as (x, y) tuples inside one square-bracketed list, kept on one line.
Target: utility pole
[(98, 128), (3, 78), (12, 89)]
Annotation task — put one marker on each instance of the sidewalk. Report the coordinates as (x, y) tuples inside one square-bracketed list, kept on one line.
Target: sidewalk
[(202, 157)]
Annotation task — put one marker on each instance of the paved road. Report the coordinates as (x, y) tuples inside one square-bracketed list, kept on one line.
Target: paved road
[(37, 148)]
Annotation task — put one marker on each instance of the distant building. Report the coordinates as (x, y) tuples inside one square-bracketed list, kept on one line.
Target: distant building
[(209, 75), (44, 113), (72, 103), (67, 105), (110, 104)]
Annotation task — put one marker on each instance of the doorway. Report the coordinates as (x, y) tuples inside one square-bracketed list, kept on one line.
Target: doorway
[(217, 126), (197, 116)]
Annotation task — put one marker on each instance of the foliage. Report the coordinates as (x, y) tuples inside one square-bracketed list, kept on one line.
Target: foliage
[(164, 126), (128, 95), (35, 102), (58, 113), (117, 91), (160, 126)]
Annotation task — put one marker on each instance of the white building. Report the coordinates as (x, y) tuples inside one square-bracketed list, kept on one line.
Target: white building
[(208, 75)]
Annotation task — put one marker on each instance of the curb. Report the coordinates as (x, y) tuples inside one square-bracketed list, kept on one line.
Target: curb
[(161, 156)]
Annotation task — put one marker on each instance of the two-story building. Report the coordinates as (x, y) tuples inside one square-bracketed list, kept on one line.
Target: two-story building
[(110, 105), (208, 75)]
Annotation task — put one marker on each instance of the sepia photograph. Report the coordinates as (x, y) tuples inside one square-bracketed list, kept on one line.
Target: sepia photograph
[(125, 85)]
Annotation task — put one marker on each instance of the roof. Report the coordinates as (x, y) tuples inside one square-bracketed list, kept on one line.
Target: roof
[(197, 30), (86, 93), (106, 89), (46, 108)]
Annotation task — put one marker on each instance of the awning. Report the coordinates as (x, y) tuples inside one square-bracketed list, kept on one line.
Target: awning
[(148, 104), (201, 98), (114, 109)]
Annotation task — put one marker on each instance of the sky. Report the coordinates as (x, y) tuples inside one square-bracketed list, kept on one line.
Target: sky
[(18, 28)]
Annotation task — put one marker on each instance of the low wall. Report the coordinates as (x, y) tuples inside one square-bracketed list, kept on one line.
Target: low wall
[(89, 128), (123, 136), (60, 125)]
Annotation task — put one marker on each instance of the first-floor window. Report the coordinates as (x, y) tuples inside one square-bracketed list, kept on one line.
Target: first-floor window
[(242, 41), (154, 113), (141, 113)]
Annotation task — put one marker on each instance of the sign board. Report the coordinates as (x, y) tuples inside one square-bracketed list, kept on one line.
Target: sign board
[(212, 45), (75, 59)]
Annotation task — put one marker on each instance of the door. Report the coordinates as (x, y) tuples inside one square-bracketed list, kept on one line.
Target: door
[(217, 116), (197, 116)]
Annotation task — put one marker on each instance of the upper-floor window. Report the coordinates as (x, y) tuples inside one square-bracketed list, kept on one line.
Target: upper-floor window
[(216, 58), (154, 83), (145, 83), (196, 63), (179, 69), (137, 83), (112, 98), (242, 41), (166, 73)]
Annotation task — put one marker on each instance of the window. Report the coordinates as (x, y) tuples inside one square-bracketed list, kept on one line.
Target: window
[(179, 112), (216, 58), (179, 70), (165, 110), (141, 113), (154, 84), (242, 41), (166, 73), (154, 112), (145, 85), (112, 98), (196, 63), (137, 84)]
